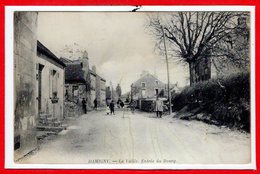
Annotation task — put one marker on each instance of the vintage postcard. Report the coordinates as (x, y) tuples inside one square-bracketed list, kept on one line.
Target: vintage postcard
[(130, 87)]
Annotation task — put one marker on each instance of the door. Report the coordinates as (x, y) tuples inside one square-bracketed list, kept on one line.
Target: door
[(40, 68)]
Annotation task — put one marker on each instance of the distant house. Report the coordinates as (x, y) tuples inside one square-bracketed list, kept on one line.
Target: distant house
[(50, 83), (147, 86), (238, 44)]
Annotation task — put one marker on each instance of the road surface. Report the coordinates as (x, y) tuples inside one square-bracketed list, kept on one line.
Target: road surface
[(142, 138)]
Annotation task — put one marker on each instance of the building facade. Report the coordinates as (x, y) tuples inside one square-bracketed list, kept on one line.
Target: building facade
[(93, 93), (98, 88), (102, 92), (77, 87), (49, 83), (147, 86), (25, 42)]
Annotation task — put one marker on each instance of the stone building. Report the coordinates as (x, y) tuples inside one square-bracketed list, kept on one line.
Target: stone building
[(98, 88), (237, 44), (49, 83), (102, 96), (235, 47), (77, 87), (93, 90), (25, 42), (147, 86), (83, 82)]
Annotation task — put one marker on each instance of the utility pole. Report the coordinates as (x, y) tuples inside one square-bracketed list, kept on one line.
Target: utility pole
[(168, 74)]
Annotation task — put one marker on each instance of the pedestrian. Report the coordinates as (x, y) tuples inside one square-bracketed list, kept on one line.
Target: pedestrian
[(133, 105), (84, 105), (112, 107), (118, 103), (107, 110), (158, 107), (95, 104), (122, 104)]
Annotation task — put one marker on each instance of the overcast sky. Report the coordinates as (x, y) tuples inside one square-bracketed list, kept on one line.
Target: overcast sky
[(117, 44)]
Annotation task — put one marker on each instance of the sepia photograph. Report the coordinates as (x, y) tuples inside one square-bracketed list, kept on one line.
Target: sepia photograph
[(130, 89)]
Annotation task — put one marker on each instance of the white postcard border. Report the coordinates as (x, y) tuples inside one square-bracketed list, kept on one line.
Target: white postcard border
[(9, 87)]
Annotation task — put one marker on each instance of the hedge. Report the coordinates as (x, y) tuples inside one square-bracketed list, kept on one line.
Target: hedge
[(226, 101)]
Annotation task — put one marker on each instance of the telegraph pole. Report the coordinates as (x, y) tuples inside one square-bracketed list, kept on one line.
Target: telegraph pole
[(168, 74)]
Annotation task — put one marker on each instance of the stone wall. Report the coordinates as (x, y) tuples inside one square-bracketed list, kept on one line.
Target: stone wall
[(98, 90), (25, 44), (74, 93)]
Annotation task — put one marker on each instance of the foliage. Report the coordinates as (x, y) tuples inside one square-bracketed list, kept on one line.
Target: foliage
[(193, 36), (226, 100)]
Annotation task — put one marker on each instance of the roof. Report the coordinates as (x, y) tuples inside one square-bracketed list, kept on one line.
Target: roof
[(92, 72), (148, 75), (74, 73), (65, 60), (45, 51)]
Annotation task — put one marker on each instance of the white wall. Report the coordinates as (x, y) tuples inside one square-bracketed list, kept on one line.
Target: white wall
[(55, 109)]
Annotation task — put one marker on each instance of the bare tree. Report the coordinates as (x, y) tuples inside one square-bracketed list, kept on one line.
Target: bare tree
[(193, 36)]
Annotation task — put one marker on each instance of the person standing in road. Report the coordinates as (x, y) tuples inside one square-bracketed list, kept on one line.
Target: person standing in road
[(84, 106), (107, 109), (95, 104), (112, 107), (158, 108)]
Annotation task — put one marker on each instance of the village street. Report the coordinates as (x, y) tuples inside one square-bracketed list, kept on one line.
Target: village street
[(135, 138)]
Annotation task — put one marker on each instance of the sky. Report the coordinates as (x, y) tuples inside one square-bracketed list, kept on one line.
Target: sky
[(117, 43)]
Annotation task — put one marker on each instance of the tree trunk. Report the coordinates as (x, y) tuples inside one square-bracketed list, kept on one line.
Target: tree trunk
[(191, 70)]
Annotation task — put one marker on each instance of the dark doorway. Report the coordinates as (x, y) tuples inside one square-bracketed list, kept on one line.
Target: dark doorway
[(156, 92), (40, 68)]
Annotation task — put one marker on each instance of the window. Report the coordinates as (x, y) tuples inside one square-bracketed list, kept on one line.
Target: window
[(156, 82), (75, 90), (143, 85), (156, 92), (54, 82)]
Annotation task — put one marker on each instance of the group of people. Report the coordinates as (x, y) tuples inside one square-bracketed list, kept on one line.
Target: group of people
[(84, 105), (110, 109)]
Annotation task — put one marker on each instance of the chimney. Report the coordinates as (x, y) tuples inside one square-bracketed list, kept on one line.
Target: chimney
[(85, 55), (94, 69), (144, 73)]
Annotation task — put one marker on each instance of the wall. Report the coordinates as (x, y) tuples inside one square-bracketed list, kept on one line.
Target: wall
[(98, 90), (102, 93), (25, 44), (73, 105), (49, 86)]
